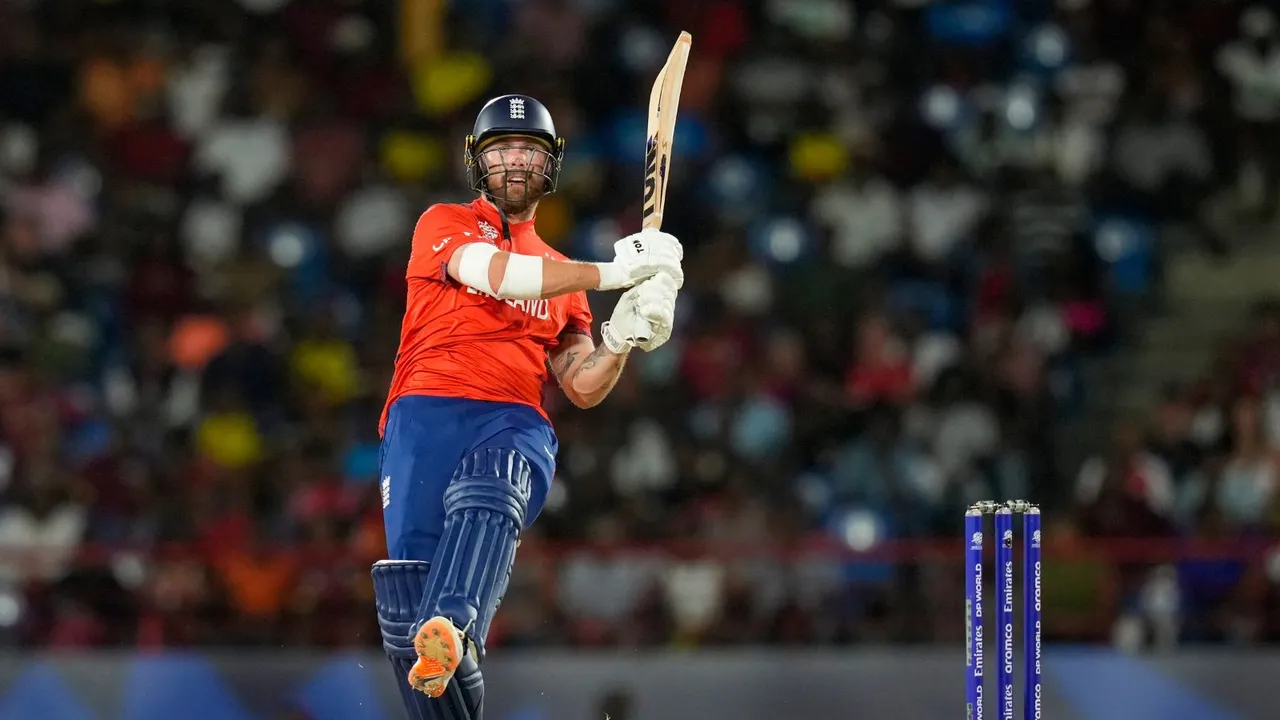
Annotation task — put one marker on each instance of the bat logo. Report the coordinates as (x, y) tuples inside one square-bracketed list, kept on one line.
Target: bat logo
[(650, 179)]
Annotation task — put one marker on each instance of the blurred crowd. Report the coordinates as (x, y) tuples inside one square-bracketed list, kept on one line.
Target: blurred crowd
[(907, 225)]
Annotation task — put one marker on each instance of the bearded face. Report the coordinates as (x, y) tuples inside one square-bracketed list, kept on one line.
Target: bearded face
[(517, 172)]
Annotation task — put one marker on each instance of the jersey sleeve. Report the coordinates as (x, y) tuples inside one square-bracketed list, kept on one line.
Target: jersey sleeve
[(440, 231), (579, 320)]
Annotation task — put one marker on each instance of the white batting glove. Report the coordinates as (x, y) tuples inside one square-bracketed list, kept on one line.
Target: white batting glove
[(641, 256), (643, 316), (656, 306)]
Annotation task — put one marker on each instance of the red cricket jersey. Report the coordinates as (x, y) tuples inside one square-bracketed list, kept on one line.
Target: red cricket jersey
[(456, 341)]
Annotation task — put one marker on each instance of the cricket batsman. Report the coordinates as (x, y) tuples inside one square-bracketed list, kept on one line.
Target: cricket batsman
[(467, 451)]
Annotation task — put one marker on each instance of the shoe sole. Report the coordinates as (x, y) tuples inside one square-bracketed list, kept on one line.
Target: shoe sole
[(439, 652)]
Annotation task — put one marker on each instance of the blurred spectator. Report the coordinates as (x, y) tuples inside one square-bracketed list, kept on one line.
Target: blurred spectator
[(943, 212), (258, 578), (1246, 488), (1164, 164), (1249, 63), (1170, 438), (42, 532), (1126, 488), (881, 369), (865, 214)]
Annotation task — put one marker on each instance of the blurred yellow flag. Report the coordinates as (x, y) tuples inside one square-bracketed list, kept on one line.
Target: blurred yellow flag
[(409, 156), (450, 81), (328, 366), (230, 439), (817, 157)]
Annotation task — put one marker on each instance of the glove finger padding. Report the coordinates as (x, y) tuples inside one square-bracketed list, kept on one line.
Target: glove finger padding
[(656, 307), (657, 337), (647, 253), (656, 301), (655, 240), (620, 330), (669, 240), (639, 247), (662, 261), (668, 265)]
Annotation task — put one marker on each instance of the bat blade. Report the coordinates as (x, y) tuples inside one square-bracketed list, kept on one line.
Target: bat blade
[(664, 104)]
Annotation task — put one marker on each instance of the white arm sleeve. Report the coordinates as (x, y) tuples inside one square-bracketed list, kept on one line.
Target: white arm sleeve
[(473, 265), (521, 281)]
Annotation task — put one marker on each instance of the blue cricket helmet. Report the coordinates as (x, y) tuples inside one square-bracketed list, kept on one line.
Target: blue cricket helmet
[(513, 115)]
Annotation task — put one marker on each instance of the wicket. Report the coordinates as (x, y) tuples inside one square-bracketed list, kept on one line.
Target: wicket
[(974, 520)]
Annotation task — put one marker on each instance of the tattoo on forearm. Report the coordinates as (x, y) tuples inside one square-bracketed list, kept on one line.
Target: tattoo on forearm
[(566, 362), (594, 359)]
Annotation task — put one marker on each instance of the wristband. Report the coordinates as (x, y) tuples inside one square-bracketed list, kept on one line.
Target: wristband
[(612, 340), (612, 276)]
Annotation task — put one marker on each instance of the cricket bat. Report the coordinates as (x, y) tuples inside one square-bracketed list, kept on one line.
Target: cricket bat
[(664, 101)]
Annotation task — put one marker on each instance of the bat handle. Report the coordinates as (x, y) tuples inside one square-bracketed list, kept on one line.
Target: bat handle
[(645, 334), (654, 226)]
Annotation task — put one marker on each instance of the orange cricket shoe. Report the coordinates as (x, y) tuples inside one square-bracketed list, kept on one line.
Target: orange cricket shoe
[(439, 645)]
